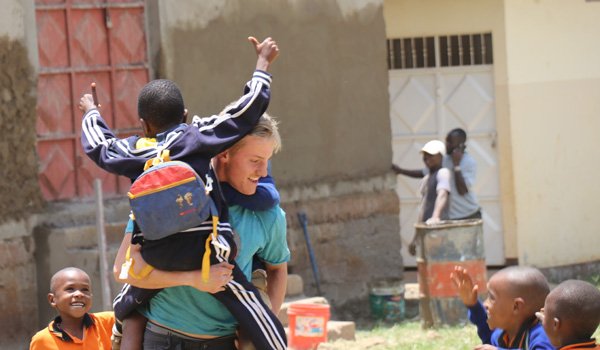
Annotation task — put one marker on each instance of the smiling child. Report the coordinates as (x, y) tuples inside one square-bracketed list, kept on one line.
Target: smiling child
[(74, 328)]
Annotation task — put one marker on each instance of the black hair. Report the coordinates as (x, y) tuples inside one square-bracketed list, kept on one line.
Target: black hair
[(527, 283), (61, 272), (160, 104), (578, 303), (460, 132)]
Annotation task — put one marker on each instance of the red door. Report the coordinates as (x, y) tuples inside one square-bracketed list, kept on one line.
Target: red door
[(79, 42)]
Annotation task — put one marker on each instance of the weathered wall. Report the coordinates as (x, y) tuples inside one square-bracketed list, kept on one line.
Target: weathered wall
[(330, 83), (17, 285), (19, 192), (554, 95), (413, 18), (353, 229), (330, 94)]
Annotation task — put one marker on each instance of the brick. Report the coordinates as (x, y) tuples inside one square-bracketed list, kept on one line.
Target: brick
[(411, 291), (341, 330), (295, 285)]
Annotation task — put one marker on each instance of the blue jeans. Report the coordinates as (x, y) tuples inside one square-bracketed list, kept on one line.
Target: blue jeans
[(173, 341)]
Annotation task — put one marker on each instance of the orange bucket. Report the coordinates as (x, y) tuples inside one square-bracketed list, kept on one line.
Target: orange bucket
[(308, 325)]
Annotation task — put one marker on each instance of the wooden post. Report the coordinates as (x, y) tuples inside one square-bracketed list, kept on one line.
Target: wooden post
[(104, 280)]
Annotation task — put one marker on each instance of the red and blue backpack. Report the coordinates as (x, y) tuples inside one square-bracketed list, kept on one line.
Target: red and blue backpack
[(167, 198)]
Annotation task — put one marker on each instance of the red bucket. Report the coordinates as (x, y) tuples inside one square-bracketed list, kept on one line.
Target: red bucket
[(308, 325)]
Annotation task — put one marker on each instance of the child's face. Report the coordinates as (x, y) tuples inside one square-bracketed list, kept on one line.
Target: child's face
[(72, 294), (242, 167), (432, 161), (499, 304), (546, 317)]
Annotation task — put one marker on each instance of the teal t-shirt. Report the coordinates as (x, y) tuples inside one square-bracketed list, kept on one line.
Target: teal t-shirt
[(189, 310)]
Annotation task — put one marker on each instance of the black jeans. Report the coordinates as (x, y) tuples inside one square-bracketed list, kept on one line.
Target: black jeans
[(475, 215), (172, 341)]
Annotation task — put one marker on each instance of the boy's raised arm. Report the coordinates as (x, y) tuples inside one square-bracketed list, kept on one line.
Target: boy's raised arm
[(102, 146), (267, 52), (219, 132), (467, 291), (86, 102)]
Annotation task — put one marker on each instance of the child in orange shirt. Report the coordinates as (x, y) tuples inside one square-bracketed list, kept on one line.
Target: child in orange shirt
[(74, 328)]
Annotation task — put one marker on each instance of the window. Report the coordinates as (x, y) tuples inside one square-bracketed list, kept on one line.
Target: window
[(452, 50)]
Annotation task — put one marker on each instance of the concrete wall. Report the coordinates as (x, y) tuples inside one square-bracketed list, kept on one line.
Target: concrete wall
[(554, 93), (415, 18), (330, 94), (546, 80), (19, 191)]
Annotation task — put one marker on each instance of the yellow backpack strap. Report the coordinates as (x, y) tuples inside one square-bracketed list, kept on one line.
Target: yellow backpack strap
[(212, 237), (162, 155), (128, 266)]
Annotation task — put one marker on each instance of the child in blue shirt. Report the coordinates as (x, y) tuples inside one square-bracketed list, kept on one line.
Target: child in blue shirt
[(506, 320)]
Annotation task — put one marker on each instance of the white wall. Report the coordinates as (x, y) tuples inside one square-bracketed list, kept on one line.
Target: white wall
[(547, 77), (12, 19), (554, 91), (17, 22), (409, 18)]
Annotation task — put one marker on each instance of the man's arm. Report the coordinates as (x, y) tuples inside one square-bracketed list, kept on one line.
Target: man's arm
[(464, 171), (441, 200), (220, 274), (276, 254), (461, 186), (440, 203), (276, 285), (417, 174)]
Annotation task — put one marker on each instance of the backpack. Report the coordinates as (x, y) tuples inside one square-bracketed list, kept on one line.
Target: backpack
[(170, 197)]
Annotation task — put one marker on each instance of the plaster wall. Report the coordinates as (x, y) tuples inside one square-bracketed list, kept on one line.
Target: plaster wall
[(19, 191), (416, 18), (554, 81), (330, 94)]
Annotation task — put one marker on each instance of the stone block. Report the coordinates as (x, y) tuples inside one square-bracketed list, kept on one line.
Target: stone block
[(411, 300), (341, 330), (411, 291), (295, 285)]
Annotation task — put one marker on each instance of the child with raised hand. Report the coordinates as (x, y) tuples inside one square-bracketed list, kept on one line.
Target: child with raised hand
[(571, 315), (178, 257), (506, 320), (74, 328)]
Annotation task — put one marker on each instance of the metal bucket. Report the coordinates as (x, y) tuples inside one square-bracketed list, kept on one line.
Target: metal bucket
[(441, 247), (386, 299)]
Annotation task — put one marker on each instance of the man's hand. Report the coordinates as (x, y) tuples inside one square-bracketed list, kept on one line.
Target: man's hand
[(86, 102), (267, 52), (220, 275), (467, 291), (485, 347), (457, 154), (432, 221), (412, 248)]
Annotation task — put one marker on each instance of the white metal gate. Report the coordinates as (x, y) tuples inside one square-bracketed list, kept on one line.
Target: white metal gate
[(425, 104)]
